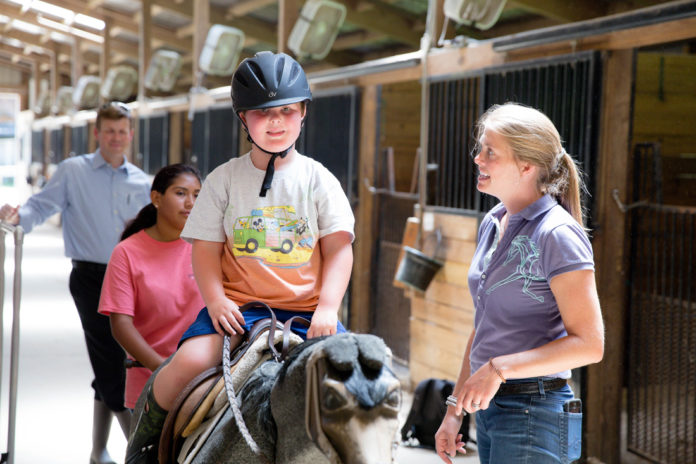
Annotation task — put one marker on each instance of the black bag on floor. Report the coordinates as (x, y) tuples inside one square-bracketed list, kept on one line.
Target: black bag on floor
[(428, 410)]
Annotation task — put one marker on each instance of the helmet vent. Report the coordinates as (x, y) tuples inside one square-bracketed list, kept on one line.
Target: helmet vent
[(295, 73), (279, 67), (257, 72), (239, 77)]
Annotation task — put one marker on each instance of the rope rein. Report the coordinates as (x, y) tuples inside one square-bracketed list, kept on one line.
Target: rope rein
[(232, 398), (227, 370)]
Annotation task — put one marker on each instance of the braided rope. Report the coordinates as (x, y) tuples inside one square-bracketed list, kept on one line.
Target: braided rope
[(231, 397)]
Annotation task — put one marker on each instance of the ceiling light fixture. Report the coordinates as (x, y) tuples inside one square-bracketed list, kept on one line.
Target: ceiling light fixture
[(482, 14), (316, 29)]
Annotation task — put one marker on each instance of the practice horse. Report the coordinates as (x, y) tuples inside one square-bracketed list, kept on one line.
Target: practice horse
[(330, 400)]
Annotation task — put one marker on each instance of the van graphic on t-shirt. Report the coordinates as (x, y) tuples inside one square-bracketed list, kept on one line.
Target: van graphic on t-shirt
[(273, 234)]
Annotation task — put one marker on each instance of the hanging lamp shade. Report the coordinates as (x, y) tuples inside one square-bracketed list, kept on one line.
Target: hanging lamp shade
[(64, 100), (163, 71), (482, 14), (220, 52), (316, 29), (120, 83), (86, 93)]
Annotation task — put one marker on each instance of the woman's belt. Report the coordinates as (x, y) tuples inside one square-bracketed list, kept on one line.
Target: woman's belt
[(528, 388)]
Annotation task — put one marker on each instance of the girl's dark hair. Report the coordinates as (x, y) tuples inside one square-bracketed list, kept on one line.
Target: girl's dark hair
[(147, 217)]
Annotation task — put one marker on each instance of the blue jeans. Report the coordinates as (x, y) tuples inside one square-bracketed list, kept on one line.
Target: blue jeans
[(203, 325), (529, 429)]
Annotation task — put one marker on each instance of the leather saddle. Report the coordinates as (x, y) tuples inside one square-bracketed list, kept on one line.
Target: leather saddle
[(201, 404)]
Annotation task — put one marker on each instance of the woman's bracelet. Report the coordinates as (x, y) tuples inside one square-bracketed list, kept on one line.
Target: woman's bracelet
[(497, 371)]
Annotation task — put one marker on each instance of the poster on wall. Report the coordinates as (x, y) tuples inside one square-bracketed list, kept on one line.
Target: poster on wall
[(9, 108)]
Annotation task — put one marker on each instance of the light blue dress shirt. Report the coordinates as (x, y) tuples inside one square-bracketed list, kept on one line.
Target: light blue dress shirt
[(96, 201)]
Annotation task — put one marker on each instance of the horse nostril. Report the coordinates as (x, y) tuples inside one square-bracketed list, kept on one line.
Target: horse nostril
[(393, 399)]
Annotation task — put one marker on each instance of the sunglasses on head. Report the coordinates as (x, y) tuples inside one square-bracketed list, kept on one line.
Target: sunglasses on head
[(121, 107)]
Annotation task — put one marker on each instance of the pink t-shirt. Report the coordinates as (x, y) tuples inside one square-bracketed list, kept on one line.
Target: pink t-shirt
[(153, 282)]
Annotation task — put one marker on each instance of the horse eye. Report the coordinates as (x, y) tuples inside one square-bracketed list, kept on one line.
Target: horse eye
[(333, 400)]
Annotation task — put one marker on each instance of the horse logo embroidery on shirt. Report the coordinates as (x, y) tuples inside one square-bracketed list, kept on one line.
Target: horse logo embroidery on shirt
[(529, 255)]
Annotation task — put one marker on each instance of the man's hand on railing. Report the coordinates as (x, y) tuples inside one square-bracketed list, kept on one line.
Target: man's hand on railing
[(9, 213)]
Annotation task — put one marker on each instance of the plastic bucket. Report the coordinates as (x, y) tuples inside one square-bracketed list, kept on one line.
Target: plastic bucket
[(417, 269)]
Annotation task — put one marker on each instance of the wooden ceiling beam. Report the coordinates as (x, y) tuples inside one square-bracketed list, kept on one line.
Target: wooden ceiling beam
[(35, 40), (15, 62), (255, 28), (32, 57), (385, 20), (126, 22), (563, 10), (183, 8), (355, 39), (244, 7)]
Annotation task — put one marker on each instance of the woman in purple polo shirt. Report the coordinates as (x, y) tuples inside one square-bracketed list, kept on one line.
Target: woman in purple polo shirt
[(533, 284)]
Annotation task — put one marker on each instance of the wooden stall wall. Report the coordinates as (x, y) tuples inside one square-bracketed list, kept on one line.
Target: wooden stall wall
[(664, 102), (442, 318), (398, 139), (400, 129)]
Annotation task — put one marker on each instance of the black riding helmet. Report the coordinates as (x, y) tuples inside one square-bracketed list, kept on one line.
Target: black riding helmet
[(264, 81)]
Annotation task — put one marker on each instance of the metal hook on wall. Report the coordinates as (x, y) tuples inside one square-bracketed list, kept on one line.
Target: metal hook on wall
[(624, 207)]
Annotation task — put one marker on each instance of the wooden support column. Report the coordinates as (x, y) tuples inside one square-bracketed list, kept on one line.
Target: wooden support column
[(439, 20), (605, 380), (55, 78), (76, 62), (361, 287), (201, 24), (176, 136), (288, 12), (105, 57), (144, 45), (36, 84)]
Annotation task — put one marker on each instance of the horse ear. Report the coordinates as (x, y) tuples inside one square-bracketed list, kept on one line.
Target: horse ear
[(342, 352), (373, 352)]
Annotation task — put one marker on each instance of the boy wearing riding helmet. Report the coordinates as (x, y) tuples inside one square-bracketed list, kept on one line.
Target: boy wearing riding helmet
[(272, 226)]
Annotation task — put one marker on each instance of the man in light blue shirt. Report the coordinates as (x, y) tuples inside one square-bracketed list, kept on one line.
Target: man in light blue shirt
[(98, 194)]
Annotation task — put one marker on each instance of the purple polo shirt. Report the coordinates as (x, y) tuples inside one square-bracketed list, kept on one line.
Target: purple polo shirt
[(509, 278)]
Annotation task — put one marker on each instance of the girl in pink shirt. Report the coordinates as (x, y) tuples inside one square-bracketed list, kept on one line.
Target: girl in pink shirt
[(149, 291)]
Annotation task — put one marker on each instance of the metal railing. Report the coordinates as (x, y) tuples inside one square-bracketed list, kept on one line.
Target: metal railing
[(18, 234)]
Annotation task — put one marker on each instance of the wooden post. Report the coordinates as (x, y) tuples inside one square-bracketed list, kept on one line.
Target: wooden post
[(288, 12), (201, 23), (360, 320), (36, 84), (55, 77), (76, 64), (176, 135), (144, 45), (605, 380), (105, 57)]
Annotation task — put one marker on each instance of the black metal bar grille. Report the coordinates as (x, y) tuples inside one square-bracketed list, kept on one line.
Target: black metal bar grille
[(662, 336), (391, 309), (567, 89), (37, 146), (454, 109), (661, 384)]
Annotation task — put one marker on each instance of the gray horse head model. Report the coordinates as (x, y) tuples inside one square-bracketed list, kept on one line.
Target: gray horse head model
[(334, 400)]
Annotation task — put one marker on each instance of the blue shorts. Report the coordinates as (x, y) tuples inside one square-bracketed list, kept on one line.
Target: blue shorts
[(203, 325)]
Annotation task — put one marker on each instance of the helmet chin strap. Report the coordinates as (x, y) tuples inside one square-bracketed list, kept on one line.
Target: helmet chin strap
[(270, 168)]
